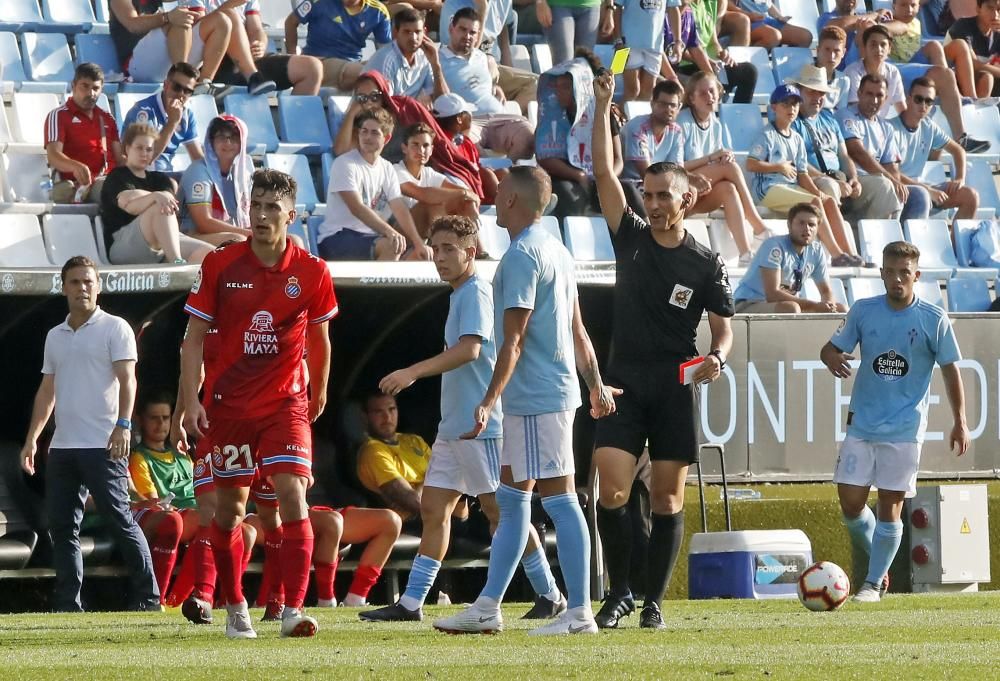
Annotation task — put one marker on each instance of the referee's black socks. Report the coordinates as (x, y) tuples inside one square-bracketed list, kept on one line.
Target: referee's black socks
[(665, 541), (615, 527)]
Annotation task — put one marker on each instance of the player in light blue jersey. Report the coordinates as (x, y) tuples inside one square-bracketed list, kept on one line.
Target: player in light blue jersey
[(901, 339), (774, 281), (460, 466), (541, 337)]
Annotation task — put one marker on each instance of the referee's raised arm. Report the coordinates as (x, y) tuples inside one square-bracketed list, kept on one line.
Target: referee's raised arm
[(609, 188)]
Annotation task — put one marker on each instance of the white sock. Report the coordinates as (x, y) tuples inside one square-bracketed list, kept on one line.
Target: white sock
[(324, 603), (354, 601), (487, 603)]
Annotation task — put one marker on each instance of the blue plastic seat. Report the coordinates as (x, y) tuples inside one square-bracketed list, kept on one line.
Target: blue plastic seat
[(929, 290), (302, 123), (298, 167), (21, 243), (983, 122), (759, 57), (124, 101), (874, 235), (494, 238), (46, 57), (13, 68), (859, 288), (788, 61), (326, 162), (588, 238), (256, 113), (742, 124), (811, 292), (77, 16), (298, 228), (98, 48), (336, 108), (804, 13), (968, 295), (21, 15), (204, 109), (979, 176), (937, 257)]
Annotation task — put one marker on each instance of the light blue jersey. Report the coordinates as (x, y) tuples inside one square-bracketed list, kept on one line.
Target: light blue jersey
[(470, 78), (700, 141), (898, 352), (537, 273), (779, 253), (470, 313), (772, 146), (642, 24), (755, 6), (915, 146), (875, 134), (639, 143), (821, 135), (150, 110), (497, 14), (412, 80)]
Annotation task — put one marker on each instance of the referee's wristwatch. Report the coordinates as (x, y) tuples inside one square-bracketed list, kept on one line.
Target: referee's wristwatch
[(124, 424), (718, 355)]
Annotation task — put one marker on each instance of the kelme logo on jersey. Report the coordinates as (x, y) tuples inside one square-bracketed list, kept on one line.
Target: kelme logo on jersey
[(292, 288), (260, 338), (890, 366)]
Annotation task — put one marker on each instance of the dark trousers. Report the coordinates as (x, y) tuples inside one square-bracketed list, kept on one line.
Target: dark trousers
[(70, 473)]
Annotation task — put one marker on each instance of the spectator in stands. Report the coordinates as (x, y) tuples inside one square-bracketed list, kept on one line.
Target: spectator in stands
[(216, 189), (371, 94), (81, 140), (876, 44), (149, 40), (410, 62), (454, 115), (88, 377), (929, 59), (338, 30), (843, 17), (773, 283), (830, 165), (871, 143), (362, 196), (572, 24), (564, 133), (377, 528), (427, 193), (642, 29), (781, 179), (917, 136), (829, 55), (300, 72), (474, 77), (712, 169), (392, 464), (982, 33), (712, 22), (140, 211), (768, 26), (167, 111)]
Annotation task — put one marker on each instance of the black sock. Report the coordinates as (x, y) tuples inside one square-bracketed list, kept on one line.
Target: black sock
[(615, 527), (664, 544)]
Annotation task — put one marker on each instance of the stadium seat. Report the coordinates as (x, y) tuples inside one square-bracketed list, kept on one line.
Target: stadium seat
[(520, 59), (46, 57), (29, 111), (741, 123), (312, 229), (98, 48), (541, 57), (20, 16), (494, 238), (204, 109), (23, 174), (968, 295), (75, 16), (864, 287), (68, 235), (777, 225), (983, 122), (811, 292), (21, 242), (273, 13), (336, 108), (101, 11), (929, 290), (699, 230), (963, 232), (759, 57), (298, 228), (533, 112), (180, 161), (636, 108), (301, 121), (788, 61), (874, 235), (326, 162), (979, 176), (804, 13), (298, 167), (934, 173), (496, 162), (551, 225), (256, 113), (12, 75), (721, 241), (937, 257), (588, 238), (124, 101)]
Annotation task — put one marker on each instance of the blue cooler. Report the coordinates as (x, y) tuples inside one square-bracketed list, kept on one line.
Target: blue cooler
[(747, 563)]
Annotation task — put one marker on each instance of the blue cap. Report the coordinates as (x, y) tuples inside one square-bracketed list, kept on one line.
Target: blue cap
[(783, 92)]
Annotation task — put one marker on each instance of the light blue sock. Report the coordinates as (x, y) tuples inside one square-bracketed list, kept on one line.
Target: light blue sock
[(536, 566), (422, 575), (885, 543), (573, 543), (508, 541), (861, 530)]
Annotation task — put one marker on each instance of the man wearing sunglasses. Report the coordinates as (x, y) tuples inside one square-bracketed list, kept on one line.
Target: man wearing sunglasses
[(167, 111), (916, 137)]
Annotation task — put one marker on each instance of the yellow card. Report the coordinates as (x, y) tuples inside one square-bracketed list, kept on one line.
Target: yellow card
[(618, 61)]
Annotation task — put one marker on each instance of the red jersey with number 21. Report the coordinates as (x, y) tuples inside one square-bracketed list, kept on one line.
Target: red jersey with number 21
[(261, 314)]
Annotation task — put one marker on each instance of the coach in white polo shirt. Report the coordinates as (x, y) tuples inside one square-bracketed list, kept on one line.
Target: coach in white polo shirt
[(88, 375)]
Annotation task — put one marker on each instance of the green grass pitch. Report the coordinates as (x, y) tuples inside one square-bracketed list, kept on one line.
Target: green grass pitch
[(905, 637)]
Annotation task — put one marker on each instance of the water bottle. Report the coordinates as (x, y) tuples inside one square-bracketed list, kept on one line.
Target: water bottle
[(741, 493), (45, 186), (164, 501)]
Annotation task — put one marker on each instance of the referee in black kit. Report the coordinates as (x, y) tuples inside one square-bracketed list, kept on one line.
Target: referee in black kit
[(665, 280)]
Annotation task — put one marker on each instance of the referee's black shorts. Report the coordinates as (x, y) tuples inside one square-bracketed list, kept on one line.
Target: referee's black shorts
[(654, 407)]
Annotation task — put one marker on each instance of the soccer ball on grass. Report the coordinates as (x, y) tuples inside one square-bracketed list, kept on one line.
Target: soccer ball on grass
[(823, 586)]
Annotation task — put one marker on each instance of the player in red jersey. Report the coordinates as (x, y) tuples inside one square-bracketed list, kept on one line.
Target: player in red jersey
[(269, 301)]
